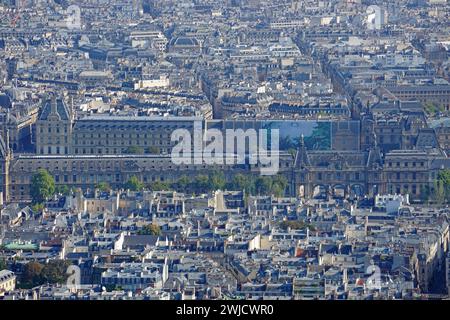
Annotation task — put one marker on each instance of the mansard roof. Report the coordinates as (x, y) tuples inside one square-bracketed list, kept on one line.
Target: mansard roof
[(375, 157), (440, 164), (427, 139), (3, 148), (61, 110), (346, 158)]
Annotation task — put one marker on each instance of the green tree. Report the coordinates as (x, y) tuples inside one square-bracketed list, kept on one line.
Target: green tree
[(36, 274), (159, 186), (263, 185), (425, 193), (3, 264), (296, 225), (444, 180), (279, 185), (63, 189), (270, 185), (134, 150), (103, 186), (433, 109), (153, 150), (182, 184), (42, 186), (277, 190), (243, 182), (55, 271), (201, 183), (216, 181), (150, 229), (439, 192), (31, 275), (37, 207), (134, 184)]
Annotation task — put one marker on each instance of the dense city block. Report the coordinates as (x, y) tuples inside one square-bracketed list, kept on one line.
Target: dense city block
[(233, 149)]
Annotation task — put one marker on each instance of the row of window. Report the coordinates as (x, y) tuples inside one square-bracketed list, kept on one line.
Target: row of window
[(51, 129), (83, 178), (399, 189), (338, 175), (407, 164), (405, 175), (135, 280), (121, 142), (110, 151), (123, 135), (54, 150), (57, 140), (421, 92)]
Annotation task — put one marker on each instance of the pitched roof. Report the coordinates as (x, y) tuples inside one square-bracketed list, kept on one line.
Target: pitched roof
[(140, 240), (427, 139), (60, 109), (3, 148)]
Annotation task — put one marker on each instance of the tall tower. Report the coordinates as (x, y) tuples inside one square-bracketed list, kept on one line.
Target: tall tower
[(5, 158)]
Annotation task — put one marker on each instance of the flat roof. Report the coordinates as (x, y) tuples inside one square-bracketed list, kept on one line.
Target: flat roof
[(137, 118)]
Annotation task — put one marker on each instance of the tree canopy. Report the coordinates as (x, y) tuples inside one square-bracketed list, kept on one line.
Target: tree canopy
[(36, 274), (261, 185), (3, 264), (134, 184), (159, 186), (153, 150), (216, 181), (63, 189), (42, 186), (201, 184), (150, 229), (296, 225), (442, 192), (103, 186), (268, 185), (182, 183), (134, 150)]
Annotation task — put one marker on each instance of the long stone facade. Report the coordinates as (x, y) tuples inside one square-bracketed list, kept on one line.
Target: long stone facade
[(310, 173), (81, 153)]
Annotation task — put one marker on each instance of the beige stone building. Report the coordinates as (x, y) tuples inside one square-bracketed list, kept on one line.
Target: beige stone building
[(54, 128), (7, 281), (94, 149)]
